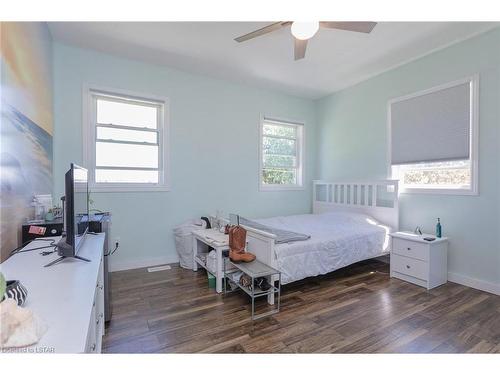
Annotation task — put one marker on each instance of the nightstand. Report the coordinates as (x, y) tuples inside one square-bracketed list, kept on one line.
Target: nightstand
[(418, 261)]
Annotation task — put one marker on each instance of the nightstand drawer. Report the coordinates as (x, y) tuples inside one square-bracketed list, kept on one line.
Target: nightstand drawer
[(410, 266), (410, 249)]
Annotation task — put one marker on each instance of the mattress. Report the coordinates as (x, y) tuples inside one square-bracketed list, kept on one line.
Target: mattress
[(338, 239)]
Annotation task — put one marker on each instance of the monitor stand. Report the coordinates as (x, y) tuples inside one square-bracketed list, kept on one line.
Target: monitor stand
[(60, 259), (65, 251)]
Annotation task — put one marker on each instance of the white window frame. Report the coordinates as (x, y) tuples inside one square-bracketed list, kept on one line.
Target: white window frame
[(474, 139), (89, 139), (300, 154)]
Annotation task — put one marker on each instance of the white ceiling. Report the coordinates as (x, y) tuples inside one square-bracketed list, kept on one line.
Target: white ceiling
[(335, 59)]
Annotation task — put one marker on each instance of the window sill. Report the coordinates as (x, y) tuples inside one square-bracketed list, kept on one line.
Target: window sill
[(439, 191), (121, 188), (281, 188)]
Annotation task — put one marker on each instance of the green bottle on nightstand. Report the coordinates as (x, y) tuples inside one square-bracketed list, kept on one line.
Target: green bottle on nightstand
[(438, 229)]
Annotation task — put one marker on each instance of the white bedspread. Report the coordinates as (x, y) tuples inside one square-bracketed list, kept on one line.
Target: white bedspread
[(338, 239)]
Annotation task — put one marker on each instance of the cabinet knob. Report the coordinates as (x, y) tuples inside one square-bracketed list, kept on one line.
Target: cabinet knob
[(407, 266), (93, 347), (409, 248)]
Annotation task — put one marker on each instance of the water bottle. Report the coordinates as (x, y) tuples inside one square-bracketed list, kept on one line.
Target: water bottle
[(438, 229)]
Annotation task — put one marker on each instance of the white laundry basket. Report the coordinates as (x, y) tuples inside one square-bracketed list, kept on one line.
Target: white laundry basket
[(184, 241)]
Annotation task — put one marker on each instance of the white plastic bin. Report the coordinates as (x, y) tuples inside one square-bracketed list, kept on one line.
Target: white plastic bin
[(184, 241)]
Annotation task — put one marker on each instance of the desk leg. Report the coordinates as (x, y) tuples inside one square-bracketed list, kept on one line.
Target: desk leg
[(195, 253), (219, 277)]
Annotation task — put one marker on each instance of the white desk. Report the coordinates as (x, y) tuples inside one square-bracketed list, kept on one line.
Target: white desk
[(66, 296), (220, 243)]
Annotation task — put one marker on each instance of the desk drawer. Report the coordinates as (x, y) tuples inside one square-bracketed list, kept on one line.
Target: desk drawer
[(410, 266), (410, 249)]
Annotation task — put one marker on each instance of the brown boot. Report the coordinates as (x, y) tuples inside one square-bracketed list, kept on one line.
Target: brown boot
[(241, 256), (237, 242)]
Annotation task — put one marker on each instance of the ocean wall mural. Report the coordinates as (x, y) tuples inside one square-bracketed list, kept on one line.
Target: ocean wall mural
[(26, 126)]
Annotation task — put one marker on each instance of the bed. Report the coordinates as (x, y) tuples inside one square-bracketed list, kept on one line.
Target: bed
[(337, 239), (350, 223)]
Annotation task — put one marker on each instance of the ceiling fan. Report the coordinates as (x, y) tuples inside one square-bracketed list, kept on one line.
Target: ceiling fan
[(303, 31)]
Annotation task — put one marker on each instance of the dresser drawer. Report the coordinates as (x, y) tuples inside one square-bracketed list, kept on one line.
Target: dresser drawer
[(410, 266), (410, 249)]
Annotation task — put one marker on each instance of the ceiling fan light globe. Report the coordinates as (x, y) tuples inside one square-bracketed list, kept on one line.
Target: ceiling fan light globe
[(304, 30)]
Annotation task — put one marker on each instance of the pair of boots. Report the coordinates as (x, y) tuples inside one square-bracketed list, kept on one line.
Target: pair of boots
[(258, 283), (237, 242)]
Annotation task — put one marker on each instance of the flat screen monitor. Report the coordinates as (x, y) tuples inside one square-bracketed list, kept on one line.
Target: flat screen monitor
[(77, 206)]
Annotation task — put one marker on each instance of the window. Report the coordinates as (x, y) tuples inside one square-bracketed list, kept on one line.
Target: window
[(281, 156), (126, 142), (434, 139)]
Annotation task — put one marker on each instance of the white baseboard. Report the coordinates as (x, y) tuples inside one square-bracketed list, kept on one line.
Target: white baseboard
[(122, 265), (485, 286), (384, 259)]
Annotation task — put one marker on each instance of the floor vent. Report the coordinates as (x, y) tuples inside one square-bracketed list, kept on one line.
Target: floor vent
[(159, 268)]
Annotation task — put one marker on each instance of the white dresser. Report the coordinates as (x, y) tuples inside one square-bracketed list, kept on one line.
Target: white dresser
[(418, 261), (68, 296)]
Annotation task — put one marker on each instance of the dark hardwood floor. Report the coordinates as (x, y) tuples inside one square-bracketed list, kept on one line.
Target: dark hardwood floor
[(358, 309)]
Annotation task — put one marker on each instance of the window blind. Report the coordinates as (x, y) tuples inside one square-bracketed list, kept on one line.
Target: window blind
[(432, 127)]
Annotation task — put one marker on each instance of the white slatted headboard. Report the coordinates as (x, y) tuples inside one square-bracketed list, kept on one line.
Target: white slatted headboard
[(378, 199)]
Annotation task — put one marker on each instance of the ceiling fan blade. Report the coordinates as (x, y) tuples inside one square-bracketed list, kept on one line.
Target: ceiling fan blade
[(300, 48), (360, 27), (265, 30)]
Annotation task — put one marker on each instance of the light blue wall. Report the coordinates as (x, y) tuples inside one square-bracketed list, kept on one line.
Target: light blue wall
[(214, 127), (352, 143)]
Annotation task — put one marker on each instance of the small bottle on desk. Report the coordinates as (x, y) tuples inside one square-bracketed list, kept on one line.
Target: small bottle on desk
[(438, 229)]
